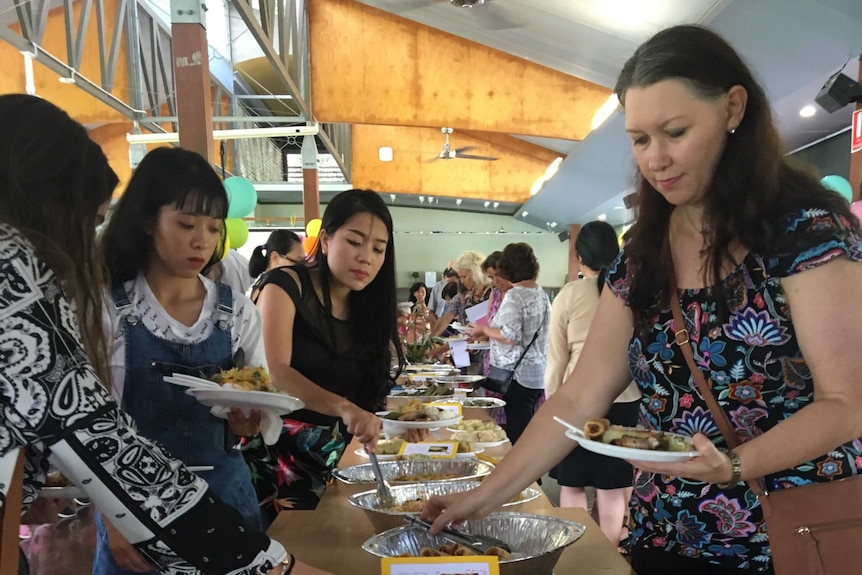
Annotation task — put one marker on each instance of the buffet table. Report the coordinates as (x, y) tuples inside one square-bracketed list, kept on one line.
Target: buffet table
[(331, 537)]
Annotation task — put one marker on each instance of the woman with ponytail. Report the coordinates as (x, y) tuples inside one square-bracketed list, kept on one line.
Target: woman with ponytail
[(282, 248), (571, 314)]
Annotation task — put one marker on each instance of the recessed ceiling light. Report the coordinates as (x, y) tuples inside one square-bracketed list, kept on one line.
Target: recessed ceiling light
[(385, 154), (602, 217), (807, 111), (525, 213), (619, 207)]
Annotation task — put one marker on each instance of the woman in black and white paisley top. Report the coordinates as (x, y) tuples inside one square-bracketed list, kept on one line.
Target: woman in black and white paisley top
[(55, 184)]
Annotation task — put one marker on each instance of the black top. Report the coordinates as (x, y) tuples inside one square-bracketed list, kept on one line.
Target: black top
[(324, 350)]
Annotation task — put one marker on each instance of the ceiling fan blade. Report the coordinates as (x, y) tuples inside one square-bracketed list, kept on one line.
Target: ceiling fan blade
[(464, 149), (472, 157), (434, 159)]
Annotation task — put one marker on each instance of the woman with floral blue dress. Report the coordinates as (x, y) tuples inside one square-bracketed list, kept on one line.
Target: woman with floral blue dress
[(768, 262)]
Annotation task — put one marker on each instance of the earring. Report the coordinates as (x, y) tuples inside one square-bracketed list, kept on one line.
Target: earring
[(732, 130)]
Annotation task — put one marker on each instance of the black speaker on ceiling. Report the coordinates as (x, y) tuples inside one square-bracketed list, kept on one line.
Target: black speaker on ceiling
[(837, 92), (564, 235)]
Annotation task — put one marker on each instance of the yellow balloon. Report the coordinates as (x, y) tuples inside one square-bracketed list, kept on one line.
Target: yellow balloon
[(226, 247), (312, 229)]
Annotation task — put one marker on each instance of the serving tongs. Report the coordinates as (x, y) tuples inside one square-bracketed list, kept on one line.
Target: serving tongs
[(384, 493), (478, 543)]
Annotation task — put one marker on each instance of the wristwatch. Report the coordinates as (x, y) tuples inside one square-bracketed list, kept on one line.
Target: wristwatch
[(735, 469), (288, 564)]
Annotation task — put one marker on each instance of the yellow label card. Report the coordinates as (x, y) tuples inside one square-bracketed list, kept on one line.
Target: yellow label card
[(472, 565), (441, 449)]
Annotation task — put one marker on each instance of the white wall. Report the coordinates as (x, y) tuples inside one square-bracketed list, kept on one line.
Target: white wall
[(417, 249)]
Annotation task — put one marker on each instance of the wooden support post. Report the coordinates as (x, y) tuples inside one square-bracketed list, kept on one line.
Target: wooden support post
[(192, 77), (856, 158), (310, 180)]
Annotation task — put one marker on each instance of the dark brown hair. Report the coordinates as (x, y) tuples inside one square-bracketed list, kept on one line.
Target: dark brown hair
[(53, 178), (518, 263), (754, 186)]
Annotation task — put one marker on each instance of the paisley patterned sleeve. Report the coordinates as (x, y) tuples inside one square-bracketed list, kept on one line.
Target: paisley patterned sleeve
[(814, 237), (618, 279), (54, 407)]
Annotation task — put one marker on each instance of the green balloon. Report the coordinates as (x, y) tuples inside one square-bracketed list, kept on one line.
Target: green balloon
[(241, 197), (840, 185), (237, 232)]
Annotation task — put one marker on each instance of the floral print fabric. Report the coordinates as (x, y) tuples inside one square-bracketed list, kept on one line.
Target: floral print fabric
[(753, 362)]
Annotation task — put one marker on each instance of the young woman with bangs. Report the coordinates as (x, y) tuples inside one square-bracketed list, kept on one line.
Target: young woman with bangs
[(166, 317)]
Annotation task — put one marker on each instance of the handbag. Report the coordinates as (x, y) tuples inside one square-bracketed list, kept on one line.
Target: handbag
[(499, 379), (813, 529)]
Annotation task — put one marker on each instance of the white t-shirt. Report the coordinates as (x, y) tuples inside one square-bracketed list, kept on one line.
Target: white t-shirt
[(246, 332)]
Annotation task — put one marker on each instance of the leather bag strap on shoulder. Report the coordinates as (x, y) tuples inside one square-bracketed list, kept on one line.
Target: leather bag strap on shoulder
[(682, 340)]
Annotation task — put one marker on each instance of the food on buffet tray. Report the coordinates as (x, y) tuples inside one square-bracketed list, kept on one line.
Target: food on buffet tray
[(636, 437), (433, 389), (415, 410), (389, 446), (457, 550), (481, 402), (246, 379), (482, 436), (416, 505), (475, 425), (56, 479), (422, 477)]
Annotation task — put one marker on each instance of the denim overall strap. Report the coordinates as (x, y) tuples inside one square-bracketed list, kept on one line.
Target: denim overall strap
[(163, 412)]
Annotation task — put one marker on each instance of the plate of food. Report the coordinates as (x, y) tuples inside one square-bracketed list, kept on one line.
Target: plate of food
[(248, 387), (58, 486), (485, 439), (460, 327), (634, 443), (433, 390), (428, 417), (483, 402), (474, 425), (440, 367)]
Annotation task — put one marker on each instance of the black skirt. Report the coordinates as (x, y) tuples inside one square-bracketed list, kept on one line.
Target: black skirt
[(582, 468)]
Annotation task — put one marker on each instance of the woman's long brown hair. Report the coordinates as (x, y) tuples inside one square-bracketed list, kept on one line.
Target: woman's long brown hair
[(53, 179)]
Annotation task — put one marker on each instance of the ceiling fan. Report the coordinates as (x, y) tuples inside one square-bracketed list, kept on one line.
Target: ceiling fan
[(449, 154), (487, 14)]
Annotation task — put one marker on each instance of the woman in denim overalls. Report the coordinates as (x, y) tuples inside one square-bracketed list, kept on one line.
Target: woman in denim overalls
[(166, 318)]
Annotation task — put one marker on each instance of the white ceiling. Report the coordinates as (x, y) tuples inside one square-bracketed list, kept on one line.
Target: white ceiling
[(792, 45)]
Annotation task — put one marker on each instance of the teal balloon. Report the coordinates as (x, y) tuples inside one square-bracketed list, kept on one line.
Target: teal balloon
[(241, 197), (237, 232), (840, 185)]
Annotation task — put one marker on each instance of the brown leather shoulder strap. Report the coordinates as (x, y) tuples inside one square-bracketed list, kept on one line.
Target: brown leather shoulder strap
[(681, 338)]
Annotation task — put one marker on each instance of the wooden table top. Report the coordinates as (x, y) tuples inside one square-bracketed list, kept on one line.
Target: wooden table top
[(331, 536)]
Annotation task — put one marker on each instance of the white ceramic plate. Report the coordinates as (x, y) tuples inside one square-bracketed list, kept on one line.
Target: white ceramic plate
[(392, 423), (459, 380), (459, 327), (479, 346), (361, 453), (191, 382), (624, 452), (280, 402), (67, 492), (483, 402), (488, 444), (428, 367)]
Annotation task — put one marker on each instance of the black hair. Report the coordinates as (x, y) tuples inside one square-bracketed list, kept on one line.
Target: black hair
[(280, 242), (450, 290), (373, 311), (492, 261), (450, 273), (518, 263), (597, 246), (165, 177), (753, 188), (413, 290), (53, 179)]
